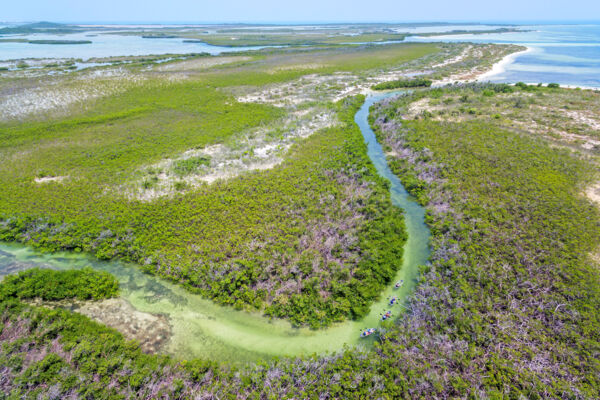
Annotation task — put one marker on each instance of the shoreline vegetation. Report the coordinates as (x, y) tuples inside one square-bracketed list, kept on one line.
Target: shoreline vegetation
[(472, 32), (59, 41), (501, 65), (51, 285)]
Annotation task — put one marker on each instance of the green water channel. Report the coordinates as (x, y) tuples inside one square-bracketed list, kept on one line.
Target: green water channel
[(202, 329)]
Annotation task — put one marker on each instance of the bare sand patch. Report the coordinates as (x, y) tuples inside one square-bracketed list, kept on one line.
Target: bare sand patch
[(58, 96), (593, 193), (584, 117), (47, 179), (478, 71), (256, 149), (454, 60), (200, 63), (152, 331), (417, 107)]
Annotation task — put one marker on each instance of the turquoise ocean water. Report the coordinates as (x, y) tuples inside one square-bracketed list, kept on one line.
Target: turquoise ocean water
[(565, 54)]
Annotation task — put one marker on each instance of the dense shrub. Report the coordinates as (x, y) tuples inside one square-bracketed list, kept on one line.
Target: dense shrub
[(189, 165), (48, 284), (403, 83)]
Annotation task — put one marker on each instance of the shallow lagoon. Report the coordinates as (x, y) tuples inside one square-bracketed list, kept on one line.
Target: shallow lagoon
[(103, 45)]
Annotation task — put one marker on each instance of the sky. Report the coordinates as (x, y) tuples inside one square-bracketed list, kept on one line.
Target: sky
[(281, 11)]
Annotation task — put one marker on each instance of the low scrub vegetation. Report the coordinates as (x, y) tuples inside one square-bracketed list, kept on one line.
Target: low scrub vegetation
[(190, 165)]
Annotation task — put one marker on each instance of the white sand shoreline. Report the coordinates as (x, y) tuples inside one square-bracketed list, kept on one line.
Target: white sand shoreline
[(501, 65)]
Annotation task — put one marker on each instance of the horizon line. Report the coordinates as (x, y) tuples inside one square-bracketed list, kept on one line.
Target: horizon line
[(323, 22)]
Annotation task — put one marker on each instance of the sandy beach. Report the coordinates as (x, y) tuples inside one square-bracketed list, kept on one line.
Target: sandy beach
[(501, 65)]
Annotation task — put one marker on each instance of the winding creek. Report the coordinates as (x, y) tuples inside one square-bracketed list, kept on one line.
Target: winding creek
[(200, 328)]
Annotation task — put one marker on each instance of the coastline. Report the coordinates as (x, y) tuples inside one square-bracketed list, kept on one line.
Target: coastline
[(477, 76), (501, 65)]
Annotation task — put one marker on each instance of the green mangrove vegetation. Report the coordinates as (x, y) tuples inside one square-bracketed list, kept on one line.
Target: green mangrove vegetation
[(74, 356), (511, 274), (313, 239), (509, 279), (47, 284), (295, 265), (403, 83), (59, 41)]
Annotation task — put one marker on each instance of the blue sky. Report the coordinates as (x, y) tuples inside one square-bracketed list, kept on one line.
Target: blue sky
[(298, 11)]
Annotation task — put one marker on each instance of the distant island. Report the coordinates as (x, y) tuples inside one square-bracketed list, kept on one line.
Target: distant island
[(159, 36), (40, 27), (472, 32), (59, 41), (45, 41)]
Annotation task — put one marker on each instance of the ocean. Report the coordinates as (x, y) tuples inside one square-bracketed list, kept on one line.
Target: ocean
[(565, 54)]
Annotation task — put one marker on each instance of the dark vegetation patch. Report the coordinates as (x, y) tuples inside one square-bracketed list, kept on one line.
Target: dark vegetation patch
[(472, 32), (190, 165), (59, 41), (403, 83), (60, 354), (47, 284), (159, 36), (40, 27)]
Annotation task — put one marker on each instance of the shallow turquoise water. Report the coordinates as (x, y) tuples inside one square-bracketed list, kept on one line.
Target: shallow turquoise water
[(203, 329), (104, 45), (565, 54)]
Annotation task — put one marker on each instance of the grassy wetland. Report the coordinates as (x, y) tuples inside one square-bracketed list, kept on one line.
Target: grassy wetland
[(244, 179)]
